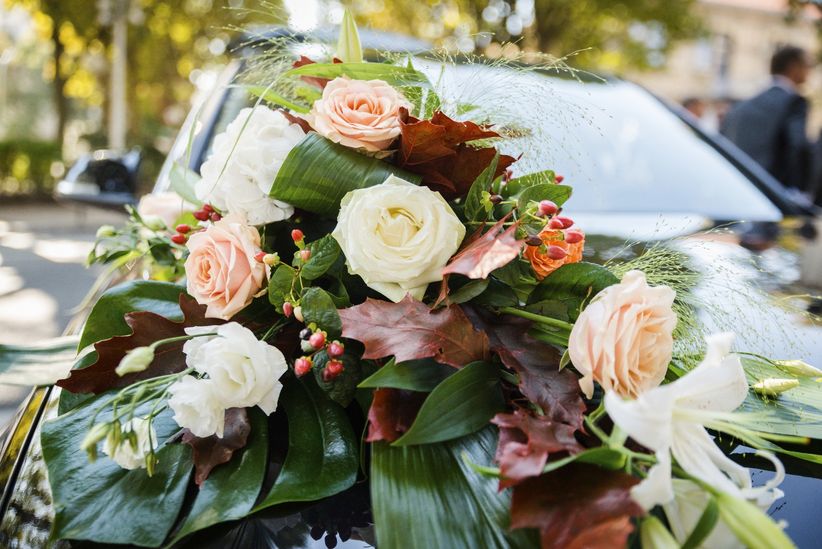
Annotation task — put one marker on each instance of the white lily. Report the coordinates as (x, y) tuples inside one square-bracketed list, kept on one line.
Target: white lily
[(670, 420)]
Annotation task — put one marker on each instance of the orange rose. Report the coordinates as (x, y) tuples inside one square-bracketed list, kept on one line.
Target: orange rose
[(546, 259)]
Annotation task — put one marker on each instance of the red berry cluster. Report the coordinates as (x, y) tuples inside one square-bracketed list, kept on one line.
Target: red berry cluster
[(314, 341), (207, 213)]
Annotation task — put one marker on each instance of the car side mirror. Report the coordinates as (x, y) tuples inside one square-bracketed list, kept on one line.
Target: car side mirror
[(104, 179)]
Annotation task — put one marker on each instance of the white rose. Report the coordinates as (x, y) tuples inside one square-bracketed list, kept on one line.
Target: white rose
[(165, 208), (397, 236), (126, 455), (245, 371), (245, 160), (196, 406)]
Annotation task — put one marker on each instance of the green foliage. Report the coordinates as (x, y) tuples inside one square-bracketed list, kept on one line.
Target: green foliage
[(25, 167), (324, 253), (570, 288), (342, 388), (414, 375), (319, 308)]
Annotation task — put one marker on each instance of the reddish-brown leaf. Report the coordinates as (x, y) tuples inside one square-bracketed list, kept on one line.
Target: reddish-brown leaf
[(392, 412), (579, 505), (209, 452), (438, 150), (541, 381), (294, 119), (492, 250), (526, 441), (146, 328), (409, 330)]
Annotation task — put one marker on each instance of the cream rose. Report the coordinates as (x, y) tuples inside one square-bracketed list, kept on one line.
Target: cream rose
[(397, 236), (196, 406), (358, 113), (166, 207), (124, 454), (221, 270), (623, 339), (246, 157), (244, 371)]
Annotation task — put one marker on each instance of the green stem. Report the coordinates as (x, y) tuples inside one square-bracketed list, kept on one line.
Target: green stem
[(547, 320), (175, 339)]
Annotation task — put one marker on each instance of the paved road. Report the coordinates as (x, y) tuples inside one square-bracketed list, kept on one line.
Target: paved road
[(42, 274)]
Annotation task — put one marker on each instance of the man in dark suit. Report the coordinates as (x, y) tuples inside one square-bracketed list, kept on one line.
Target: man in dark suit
[(772, 126)]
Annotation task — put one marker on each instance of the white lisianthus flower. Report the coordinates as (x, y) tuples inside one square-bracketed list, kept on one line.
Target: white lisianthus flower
[(196, 406), (124, 454), (670, 420), (245, 160), (397, 236), (244, 370)]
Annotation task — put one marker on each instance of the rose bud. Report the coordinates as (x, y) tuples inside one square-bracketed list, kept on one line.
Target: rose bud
[(336, 349), (317, 340), (178, 239), (556, 224), (297, 235), (573, 236), (547, 207), (302, 366), (556, 253)]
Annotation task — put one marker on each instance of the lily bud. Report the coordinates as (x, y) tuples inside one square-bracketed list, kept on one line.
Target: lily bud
[(349, 49), (136, 360), (798, 368), (106, 231), (654, 535), (773, 387), (153, 222)]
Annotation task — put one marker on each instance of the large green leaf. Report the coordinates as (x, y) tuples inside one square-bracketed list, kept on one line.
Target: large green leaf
[(106, 318), (324, 253), (572, 286), (396, 75), (317, 174), (322, 458), (231, 489), (100, 501), (318, 307), (428, 496), (460, 405), (414, 375), (39, 364), (558, 194)]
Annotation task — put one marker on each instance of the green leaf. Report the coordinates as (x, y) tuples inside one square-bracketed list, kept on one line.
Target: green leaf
[(322, 458), (431, 488), (270, 96), (342, 388), (319, 308), (469, 291), (395, 75), (324, 252), (102, 502), (183, 181), (317, 174), (477, 205), (752, 527), (106, 318), (39, 364), (231, 489), (558, 194), (279, 286), (518, 184), (68, 401), (349, 49), (413, 375), (462, 404), (573, 285)]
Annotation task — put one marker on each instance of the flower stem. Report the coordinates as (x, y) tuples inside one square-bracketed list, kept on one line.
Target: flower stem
[(547, 320)]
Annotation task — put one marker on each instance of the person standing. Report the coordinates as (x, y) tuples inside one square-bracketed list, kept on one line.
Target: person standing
[(772, 126)]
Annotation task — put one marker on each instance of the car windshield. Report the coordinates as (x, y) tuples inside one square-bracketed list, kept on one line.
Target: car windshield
[(620, 148)]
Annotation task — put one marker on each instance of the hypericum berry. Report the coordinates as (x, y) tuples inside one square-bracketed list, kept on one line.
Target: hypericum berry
[(201, 215), (573, 236), (208, 208), (333, 369), (259, 256), (305, 333), (495, 199), (556, 253), (297, 235), (182, 228), (559, 179), (546, 207), (556, 224), (302, 366), (215, 217), (288, 309), (335, 349), (272, 260), (178, 239), (305, 255), (534, 240), (298, 313), (306, 347), (317, 340), (567, 222)]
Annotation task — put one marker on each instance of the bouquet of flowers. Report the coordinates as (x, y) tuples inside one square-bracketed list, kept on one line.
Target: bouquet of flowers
[(375, 298)]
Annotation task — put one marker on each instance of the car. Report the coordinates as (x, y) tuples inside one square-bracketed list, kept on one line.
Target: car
[(643, 173)]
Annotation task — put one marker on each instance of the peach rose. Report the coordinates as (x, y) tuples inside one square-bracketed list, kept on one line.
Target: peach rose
[(540, 259), (221, 269), (623, 339), (358, 113)]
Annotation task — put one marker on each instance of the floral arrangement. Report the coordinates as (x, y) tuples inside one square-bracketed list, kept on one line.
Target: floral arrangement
[(374, 297)]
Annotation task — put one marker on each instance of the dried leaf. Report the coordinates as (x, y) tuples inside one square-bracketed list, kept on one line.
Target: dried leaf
[(294, 119), (392, 413), (487, 252), (146, 328), (438, 150), (209, 452), (526, 441), (409, 330), (578, 506)]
